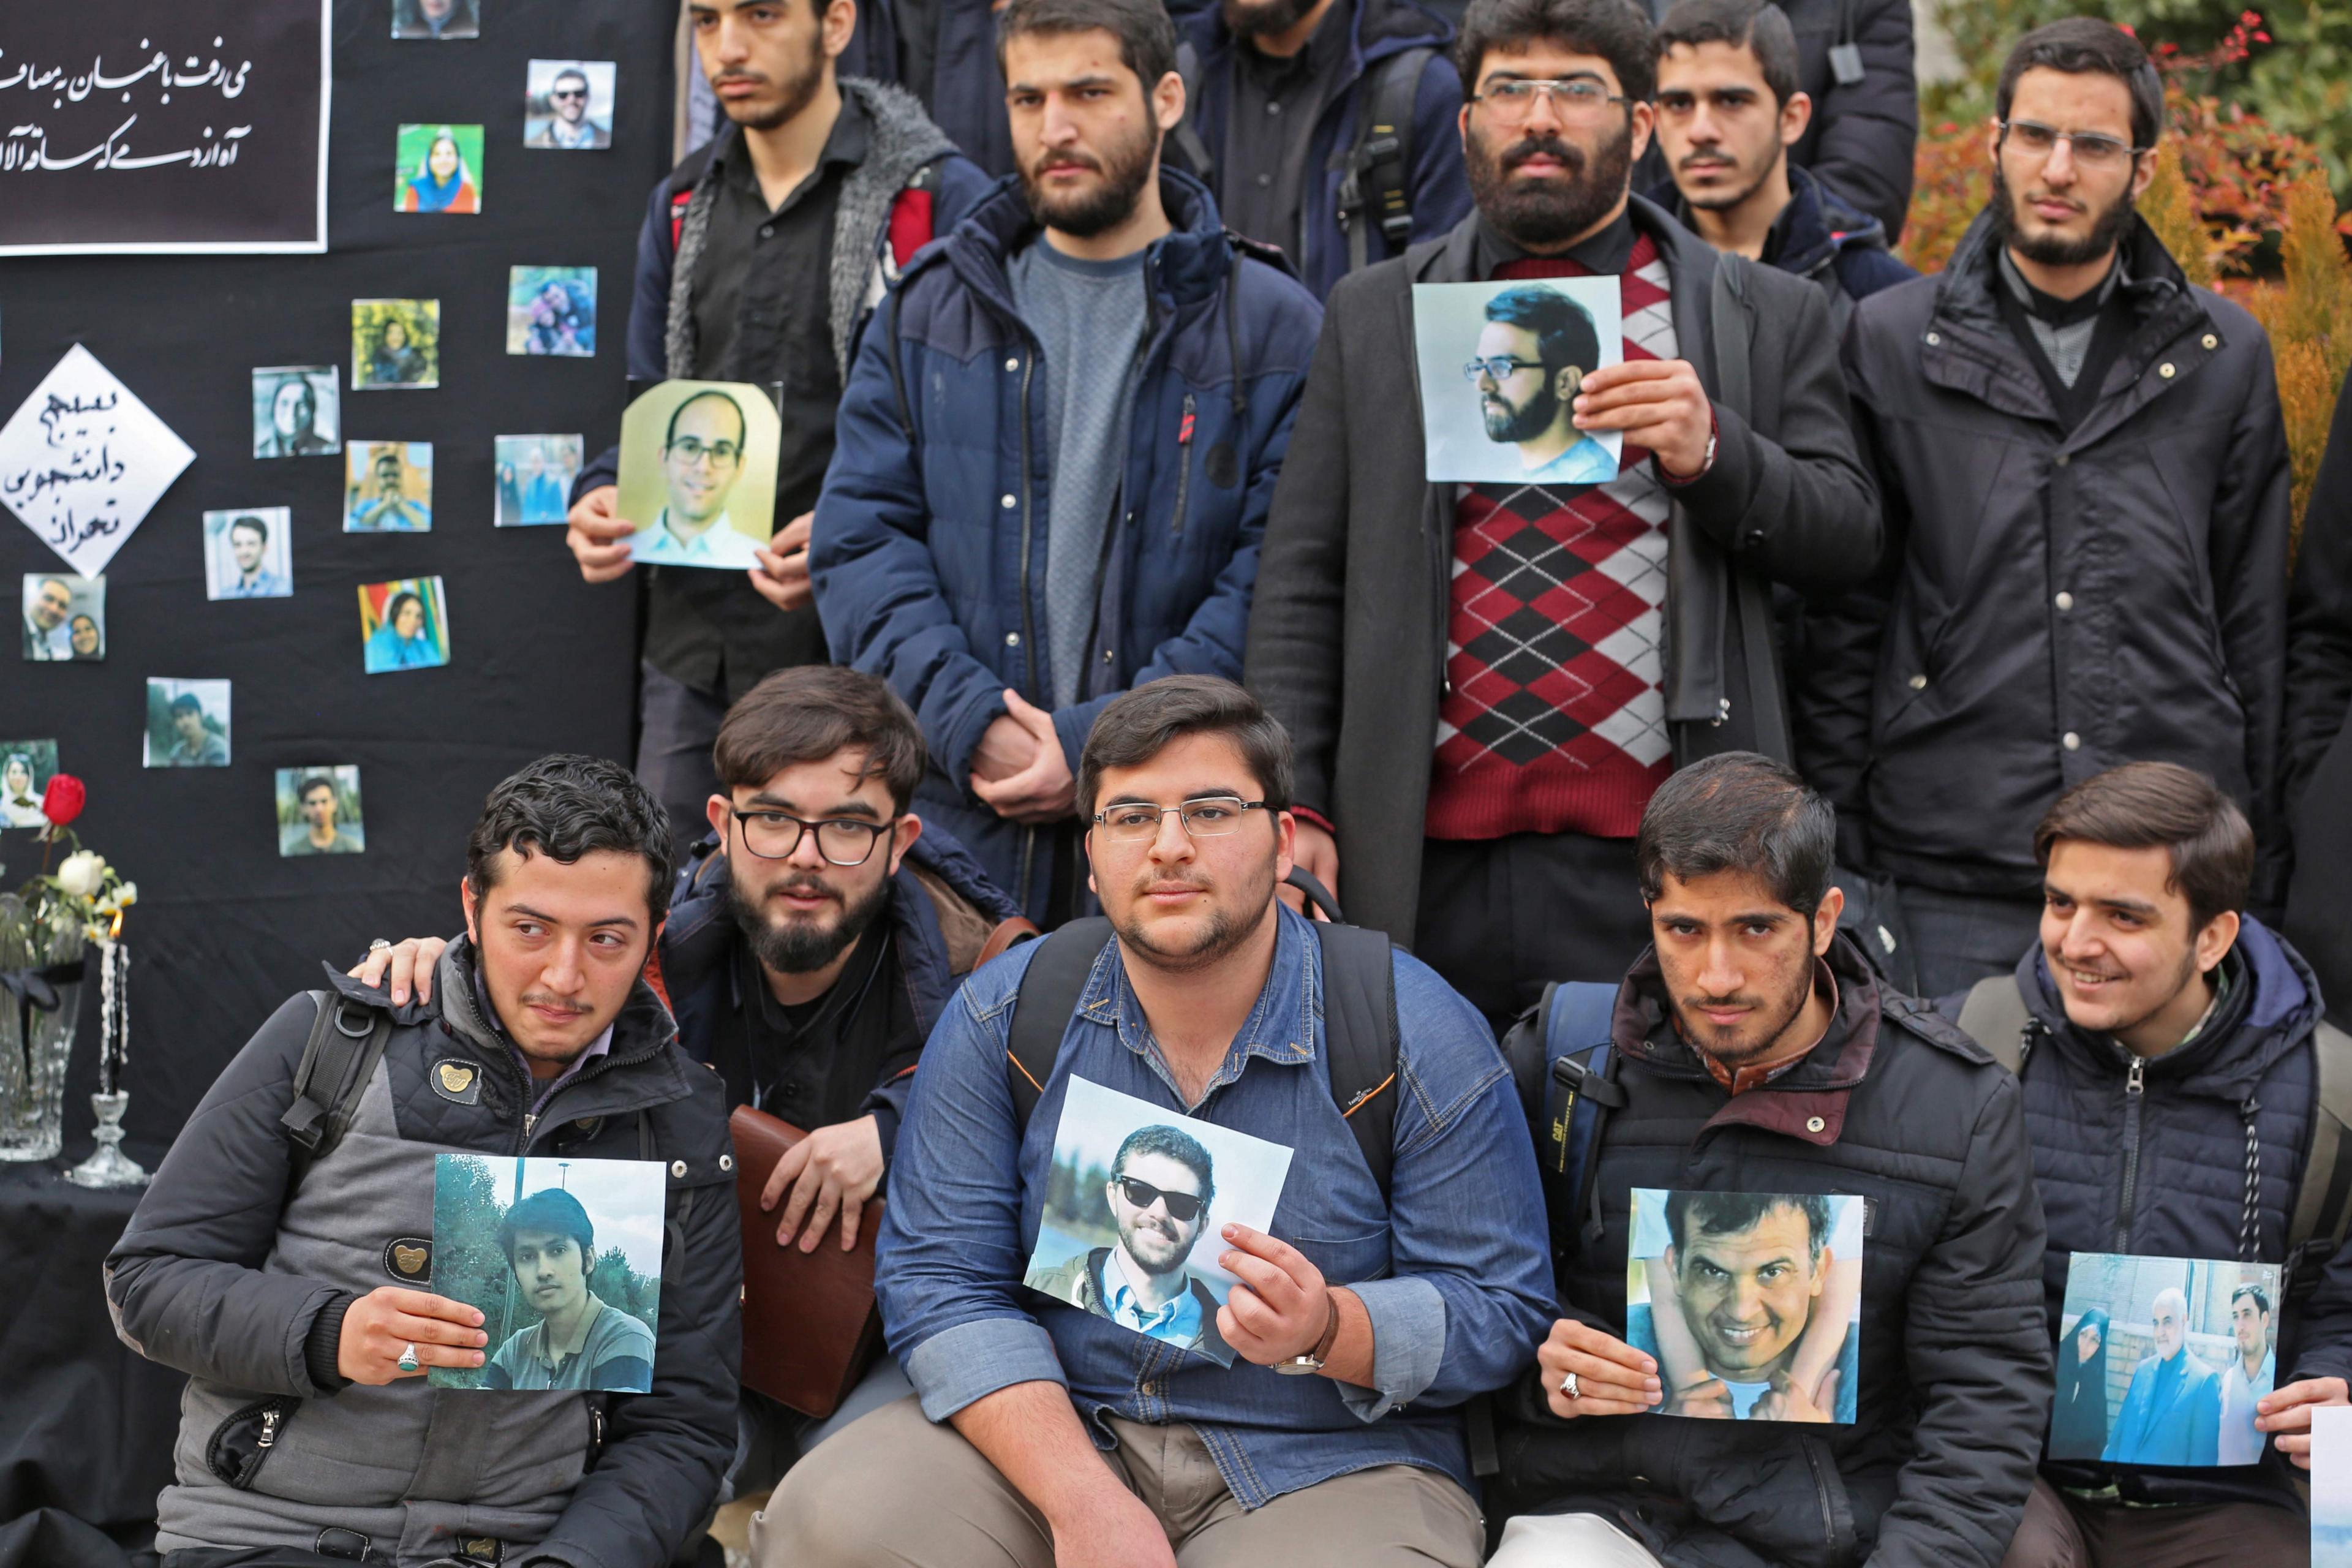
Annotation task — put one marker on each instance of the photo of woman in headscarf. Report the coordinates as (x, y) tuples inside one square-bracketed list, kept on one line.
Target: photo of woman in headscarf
[(2078, 1420), (19, 806), (442, 183)]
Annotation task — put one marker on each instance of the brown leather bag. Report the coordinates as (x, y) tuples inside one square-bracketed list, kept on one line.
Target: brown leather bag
[(810, 1325)]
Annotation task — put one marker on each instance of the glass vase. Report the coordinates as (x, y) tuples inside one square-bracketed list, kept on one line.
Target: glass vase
[(33, 1071)]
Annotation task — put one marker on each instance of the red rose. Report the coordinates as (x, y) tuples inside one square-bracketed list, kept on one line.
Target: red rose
[(62, 801)]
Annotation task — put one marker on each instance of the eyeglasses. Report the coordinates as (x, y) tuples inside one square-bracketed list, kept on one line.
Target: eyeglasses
[(1575, 99), (1213, 816), (2092, 149), (774, 835), (1183, 1207), (1499, 368), (722, 454)]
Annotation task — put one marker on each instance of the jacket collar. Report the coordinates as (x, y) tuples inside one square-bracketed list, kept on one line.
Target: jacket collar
[(1183, 267), (1808, 1102), (1283, 1026), (1810, 232)]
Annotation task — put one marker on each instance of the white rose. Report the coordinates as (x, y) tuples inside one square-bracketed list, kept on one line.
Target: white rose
[(82, 874)]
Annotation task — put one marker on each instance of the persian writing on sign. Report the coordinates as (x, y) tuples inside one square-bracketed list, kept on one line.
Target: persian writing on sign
[(83, 460)]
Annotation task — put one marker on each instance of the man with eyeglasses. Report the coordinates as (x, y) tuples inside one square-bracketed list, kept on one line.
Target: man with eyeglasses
[(702, 456), (570, 129), (1566, 643), (2086, 496), (1043, 1435), (1162, 1183)]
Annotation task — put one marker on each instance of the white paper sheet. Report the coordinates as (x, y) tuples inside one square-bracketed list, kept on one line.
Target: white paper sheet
[(82, 462)]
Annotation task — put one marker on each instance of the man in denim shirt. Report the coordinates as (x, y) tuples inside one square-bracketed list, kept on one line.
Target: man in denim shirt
[(1048, 1436)]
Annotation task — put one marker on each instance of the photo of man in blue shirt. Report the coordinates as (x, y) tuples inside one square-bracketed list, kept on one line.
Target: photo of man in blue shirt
[(1160, 1186)]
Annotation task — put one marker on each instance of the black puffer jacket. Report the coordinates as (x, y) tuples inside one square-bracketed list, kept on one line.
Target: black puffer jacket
[(2171, 1182), (1900, 1107), (2051, 605)]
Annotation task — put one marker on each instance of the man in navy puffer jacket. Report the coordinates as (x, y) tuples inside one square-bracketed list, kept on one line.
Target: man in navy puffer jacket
[(2165, 1041), (1058, 444)]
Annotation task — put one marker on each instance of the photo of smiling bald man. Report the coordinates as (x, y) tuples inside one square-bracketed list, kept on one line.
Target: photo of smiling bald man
[(698, 474)]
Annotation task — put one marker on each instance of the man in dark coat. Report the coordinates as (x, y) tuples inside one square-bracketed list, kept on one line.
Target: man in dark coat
[(2085, 478), (2319, 766), (1556, 649), (1278, 104), (1728, 110), (1757, 1052), (2165, 1044)]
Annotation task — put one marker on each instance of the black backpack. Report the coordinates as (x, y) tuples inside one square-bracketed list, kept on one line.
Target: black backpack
[(1360, 1021)]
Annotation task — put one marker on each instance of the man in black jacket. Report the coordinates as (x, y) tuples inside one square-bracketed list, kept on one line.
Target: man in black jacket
[(2318, 767), (1556, 647), (2164, 1042), (1757, 1052), (292, 1288), (2085, 479)]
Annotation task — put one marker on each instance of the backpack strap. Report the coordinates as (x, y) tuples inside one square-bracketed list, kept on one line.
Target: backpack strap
[(1187, 134), (2322, 1201), (1580, 1084), (1377, 186), (1041, 1015), (1994, 1017), (1360, 1039), (347, 1040)]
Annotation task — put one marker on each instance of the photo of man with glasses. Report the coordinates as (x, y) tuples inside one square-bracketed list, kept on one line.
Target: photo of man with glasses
[(1535, 349), (702, 455)]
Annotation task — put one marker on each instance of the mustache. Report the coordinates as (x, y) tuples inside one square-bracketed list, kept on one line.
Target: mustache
[(1706, 161), (1068, 158), (1735, 1000), (1547, 146), (806, 885), (738, 78), (550, 1000)]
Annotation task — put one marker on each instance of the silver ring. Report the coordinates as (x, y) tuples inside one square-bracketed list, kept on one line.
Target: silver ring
[(407, 1362), (1567, 1386), (378, 944)]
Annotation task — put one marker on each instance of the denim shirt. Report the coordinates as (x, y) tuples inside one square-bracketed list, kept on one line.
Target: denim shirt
[(1452, 1270)]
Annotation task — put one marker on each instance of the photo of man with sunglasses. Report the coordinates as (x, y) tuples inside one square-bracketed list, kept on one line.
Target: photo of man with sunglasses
[(1162, 1183)]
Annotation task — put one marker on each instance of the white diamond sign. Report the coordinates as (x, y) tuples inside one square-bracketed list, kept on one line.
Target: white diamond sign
[(82, 462)]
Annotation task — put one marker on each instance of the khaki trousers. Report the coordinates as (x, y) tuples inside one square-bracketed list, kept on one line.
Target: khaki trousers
[(2060, 1531), (896, 1491)]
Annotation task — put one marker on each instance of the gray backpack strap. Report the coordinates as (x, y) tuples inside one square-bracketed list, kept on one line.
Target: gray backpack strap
[(1376, 184), (2324, 1201), (347, 1040), (1994, 1017)]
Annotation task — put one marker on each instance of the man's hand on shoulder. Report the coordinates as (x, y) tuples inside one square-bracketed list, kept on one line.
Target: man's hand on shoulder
[(389, 1320), (833, 1168), (1613, 1378), (2285, 1414), (402, 967), (596, 537)]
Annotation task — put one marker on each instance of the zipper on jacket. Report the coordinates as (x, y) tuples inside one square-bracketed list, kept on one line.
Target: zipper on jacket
[(1028, 621), (268, 1428), (1822, 1492), (2134, 1090), (1184, 462)]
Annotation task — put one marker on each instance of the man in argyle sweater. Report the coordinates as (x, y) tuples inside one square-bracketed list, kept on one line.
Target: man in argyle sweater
[(1558, 648)]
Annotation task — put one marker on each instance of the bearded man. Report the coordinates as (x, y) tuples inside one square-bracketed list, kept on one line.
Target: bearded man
[(2086, 473), (1566, 644)]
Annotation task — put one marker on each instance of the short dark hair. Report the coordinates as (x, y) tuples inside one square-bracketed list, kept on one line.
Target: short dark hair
[(670, 435), (555, 1212), (2162, 806), (1739, 811), (1171, 1142), (1756, 26), (1615, 30), (391, 606), (1730, 1213), (252, 522), (2081, 46), (565, 806), (574, 72), (317, 781), (185, 702), (805, 714), (1146, 39), (1563, 329), (2262, 1297), (1139, 725)]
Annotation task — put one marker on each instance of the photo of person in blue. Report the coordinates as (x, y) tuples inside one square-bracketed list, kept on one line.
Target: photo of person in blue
[(1161, 1184), (409, 631), (1532, 355), (2172, 1413)]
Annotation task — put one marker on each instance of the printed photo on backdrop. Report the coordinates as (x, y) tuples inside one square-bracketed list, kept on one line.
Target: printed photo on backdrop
[(82, 462), (561, 1257), (1135, 1199), (249, 553), (188, 723), (64, 618), (1748, 1302), (2161, 1360), (568, 105), (297, 411), (25, 769), (698, 473), (1500, 364), (436, 19), (319, 811), (396, 343), (403, 625), (552, 310), (534, 477), (2331, 1486), (438, 169), (387, 487)]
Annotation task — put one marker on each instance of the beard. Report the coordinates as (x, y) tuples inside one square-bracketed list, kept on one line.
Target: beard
[(792, 946), (2055, 249), (799, 90), (1548, 213), (1525, 422), (1226, 932), (1244, 20), (1123, 167)]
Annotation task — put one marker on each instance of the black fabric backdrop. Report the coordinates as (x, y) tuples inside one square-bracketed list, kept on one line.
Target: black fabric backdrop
[(225, 929)]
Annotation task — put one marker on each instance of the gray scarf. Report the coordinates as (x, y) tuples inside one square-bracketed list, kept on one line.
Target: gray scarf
[(904, 141)]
